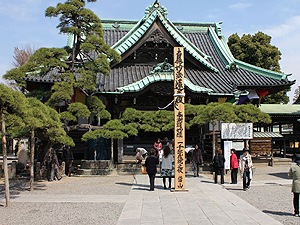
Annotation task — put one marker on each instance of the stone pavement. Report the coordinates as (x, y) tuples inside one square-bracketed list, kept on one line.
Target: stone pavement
[(204, 203)]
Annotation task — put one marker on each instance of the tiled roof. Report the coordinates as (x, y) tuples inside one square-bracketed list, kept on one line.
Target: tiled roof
[(266, 135), (222, 82), (203, 41), (278, 109)]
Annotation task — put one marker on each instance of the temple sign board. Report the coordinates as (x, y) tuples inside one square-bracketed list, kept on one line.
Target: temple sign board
[(236, 130), (179, 99)]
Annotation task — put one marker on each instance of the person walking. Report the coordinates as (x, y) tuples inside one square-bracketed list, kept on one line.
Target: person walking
[(295, 174), (158, 147), (246, 168), (166, 166), (167, 142), (68, 159), (150, 163), (54, 166), (234, 166), (218, 164), (139, 156), (197, 159)]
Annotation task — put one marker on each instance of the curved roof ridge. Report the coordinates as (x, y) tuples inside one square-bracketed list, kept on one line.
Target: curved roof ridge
[(144, 24), (229, 59), (157, 77)]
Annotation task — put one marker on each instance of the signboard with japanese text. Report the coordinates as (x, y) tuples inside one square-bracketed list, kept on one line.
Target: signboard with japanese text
[(227, 153), (179, 99), (237, 130)]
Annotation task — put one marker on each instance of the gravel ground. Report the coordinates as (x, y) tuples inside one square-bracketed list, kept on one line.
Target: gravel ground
[(61, 213), (66, 213), (104, 185), (274, 200)]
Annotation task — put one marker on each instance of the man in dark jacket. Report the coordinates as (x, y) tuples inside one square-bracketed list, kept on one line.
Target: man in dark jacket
[(68, 159), (218, 163), (197, 159), (151, 163)]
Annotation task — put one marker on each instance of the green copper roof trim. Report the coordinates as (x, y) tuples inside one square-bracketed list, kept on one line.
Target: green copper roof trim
[(188, 27), (261, 71), (226, 94), (229, 60), (219, 46), (188, 46), (183, 23), (158, 77), (144, 24)]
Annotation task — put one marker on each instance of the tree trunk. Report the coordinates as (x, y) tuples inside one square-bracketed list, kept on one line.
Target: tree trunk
[(6, 181), (31, 159), (73, 54), (43, 149), (214, 137), (112, 150)]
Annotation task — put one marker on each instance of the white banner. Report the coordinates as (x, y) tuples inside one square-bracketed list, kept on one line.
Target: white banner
[(227, 153), (237, 130)]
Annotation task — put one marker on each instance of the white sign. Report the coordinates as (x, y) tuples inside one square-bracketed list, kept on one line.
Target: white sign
[(237, 130), (238, 145), (227, 153)]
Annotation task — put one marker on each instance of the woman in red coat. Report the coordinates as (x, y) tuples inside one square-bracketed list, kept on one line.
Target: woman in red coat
[(234, 165)]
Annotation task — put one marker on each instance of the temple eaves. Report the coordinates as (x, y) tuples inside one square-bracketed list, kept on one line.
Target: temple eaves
[(153, 12)]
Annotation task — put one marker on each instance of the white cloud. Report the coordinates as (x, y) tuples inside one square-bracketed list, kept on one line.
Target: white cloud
[(240, 6), (290, 27), (20, 10), (286, 37)]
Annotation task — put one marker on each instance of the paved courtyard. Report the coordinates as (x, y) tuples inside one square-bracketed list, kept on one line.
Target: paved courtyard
[(126, 200)]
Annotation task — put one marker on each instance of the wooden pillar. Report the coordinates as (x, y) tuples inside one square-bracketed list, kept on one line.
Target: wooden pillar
[(179, 131), (284, 148)]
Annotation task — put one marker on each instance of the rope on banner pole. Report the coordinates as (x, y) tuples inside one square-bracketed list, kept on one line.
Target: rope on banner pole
[(166, 106), (180, 95)]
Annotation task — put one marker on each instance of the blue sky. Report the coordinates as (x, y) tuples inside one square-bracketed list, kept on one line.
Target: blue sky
[(23, 22)]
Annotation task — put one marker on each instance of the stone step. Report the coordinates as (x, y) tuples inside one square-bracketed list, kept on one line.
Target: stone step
[(264, 161), (93, 172), (103, 167)]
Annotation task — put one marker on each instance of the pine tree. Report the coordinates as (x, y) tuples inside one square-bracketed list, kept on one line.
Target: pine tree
[(11, 108), (257, 50)]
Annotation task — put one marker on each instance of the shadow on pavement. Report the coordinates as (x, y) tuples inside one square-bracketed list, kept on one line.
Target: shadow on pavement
[(278, 213), (280, 175), (125, 184), (205, 181), (234, 189), (141, 189), (16, 187)]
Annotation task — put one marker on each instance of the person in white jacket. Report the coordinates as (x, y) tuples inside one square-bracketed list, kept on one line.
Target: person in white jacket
[(246, 168), (166, 166)]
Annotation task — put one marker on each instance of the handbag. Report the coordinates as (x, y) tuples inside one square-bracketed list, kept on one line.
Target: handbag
[(143, 169)]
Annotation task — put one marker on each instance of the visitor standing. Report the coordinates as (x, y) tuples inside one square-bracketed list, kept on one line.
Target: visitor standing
[(234, 165), (218, 164), (150, 163), (197, 159), (168, 143), (295, 174), (158, 147), (54, 166), (68, 159), (246, 168), (166, 166)]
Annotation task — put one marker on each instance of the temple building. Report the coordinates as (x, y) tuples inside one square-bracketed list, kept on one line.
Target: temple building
[(144, 78)]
